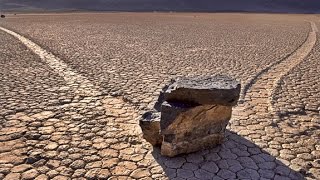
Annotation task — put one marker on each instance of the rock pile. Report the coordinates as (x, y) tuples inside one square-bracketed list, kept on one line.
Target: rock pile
[(193, 114)]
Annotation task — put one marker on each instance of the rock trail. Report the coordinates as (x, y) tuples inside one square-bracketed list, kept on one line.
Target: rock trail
[(256, 118), (263, 86), (97, 136)]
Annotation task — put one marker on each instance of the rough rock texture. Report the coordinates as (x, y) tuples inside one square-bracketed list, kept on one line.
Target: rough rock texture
[(204, 90), (187, 130), (194, 114), (150, 125)]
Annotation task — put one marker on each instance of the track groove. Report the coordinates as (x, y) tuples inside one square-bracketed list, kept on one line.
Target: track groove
[(262, 89)]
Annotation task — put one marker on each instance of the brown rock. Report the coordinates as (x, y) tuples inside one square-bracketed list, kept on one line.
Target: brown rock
[(109, 162), (60, 178), (51, 146), (53, 164), (21, 168), (140, 173), (187, 129), (78, 164), (43, 115), (78, 173), (104, 174), (31, 174), (12, 176), (92, 173), (150, 125), (108, 153), (42, 177), (9, 158)]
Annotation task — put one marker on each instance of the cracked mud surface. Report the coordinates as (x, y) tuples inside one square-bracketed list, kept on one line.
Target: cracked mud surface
[(60, 119)]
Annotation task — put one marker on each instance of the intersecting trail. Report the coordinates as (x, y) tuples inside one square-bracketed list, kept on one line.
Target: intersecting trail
[(96, 136)]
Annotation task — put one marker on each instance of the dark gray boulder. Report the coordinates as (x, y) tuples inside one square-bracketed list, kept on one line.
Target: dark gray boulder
[(220, 90)]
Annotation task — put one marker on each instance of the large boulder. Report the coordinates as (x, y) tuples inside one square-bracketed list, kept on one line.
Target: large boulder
[(194, 114)]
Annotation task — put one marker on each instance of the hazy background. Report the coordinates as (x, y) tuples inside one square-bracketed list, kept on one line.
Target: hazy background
[(285, 6)]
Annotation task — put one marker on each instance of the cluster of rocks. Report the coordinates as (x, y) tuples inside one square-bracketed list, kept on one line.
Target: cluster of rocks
[(191, 114)]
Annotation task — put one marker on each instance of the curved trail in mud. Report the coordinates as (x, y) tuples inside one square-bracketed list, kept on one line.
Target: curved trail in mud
[(261, 90), (107, 136)]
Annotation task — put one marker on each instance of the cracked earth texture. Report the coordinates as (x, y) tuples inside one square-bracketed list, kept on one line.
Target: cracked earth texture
[(71, 97)]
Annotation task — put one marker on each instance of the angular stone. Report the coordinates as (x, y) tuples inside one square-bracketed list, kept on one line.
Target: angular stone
[(92, 173), (220, 90), (9, 158), (42, 177), (12, 176), (51, 146), (140, 173), (194, 114), (78, 164), (60, 178), (53, 164), (31, 174), (108, 163), (186, 129), (21, 168), (150, 125), (78, 173), (104, 174)]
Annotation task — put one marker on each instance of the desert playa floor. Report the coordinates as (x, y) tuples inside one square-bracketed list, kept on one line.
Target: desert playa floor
[(73, 86)]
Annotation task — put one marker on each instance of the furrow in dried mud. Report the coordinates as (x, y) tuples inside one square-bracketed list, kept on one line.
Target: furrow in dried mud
[(260, 94)]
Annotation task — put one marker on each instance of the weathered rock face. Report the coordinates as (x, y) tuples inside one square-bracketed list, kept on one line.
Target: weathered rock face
[(187, 130), (210, 90), (194, 114), (150, 125)]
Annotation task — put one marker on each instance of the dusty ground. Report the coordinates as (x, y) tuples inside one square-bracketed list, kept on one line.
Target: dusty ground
[(74, 114)]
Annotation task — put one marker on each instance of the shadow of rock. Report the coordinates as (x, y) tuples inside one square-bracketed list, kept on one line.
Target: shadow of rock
[(236, 158)]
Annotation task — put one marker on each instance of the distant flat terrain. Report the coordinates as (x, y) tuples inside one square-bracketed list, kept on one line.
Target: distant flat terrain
[(127, 58)]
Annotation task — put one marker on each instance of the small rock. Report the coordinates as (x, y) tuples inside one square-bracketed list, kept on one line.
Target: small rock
[(78, 164), (31, 174), (78, 173), (60, 178), (52, 146), (53, 164), (12, 176), (42, 177), (140, 173), (104, 174), (52, 173), (92, 173), (21, 168)]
